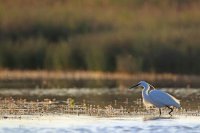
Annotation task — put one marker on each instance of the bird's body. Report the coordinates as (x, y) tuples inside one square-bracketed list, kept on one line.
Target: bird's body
[(157, 98)]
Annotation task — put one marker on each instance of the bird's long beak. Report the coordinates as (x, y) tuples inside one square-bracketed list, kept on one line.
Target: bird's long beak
[(134, 86)]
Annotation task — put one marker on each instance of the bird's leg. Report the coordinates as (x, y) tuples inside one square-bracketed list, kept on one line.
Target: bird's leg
[(170, 110), (160, 111)]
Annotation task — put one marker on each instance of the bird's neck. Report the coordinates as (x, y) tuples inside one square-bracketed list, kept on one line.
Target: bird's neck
[(146, 90)]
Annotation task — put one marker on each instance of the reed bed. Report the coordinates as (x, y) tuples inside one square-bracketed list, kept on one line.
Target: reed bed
[(113, 36), (50, 79), (45, 74)]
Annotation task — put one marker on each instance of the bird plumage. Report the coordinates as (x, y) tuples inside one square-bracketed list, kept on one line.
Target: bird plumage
[(163, 99), (157, 98)]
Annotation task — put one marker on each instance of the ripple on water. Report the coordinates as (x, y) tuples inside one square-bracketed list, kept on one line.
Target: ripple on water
[(86, 124)]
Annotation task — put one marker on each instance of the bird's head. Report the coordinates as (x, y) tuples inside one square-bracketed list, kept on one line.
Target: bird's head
[(140, 84)]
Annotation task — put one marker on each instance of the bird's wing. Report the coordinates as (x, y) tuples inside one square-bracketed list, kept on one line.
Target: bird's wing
[(147, 104), (163, 99)]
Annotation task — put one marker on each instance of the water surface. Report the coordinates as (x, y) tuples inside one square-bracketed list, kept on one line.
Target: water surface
[(94, 110), (88, 124)]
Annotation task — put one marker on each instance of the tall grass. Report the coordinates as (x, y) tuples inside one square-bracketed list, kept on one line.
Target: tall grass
[(121, 35)]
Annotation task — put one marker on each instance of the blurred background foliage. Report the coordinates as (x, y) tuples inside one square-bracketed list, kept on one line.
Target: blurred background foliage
[(161, 36)]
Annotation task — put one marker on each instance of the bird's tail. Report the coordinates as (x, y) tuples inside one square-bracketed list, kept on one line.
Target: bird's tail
[(177, 102)]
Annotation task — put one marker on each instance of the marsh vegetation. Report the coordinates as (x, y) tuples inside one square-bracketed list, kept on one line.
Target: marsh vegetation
[(90, 102), (123, 36)]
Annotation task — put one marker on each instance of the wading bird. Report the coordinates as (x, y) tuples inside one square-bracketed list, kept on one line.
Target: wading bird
[(157, 98)]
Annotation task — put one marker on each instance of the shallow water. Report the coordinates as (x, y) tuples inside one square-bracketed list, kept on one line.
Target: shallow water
[(106, 110), (190, 97), (88, 124)]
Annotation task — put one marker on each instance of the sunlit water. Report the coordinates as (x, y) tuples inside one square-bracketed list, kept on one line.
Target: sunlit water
[(134, 119), (89, 124)]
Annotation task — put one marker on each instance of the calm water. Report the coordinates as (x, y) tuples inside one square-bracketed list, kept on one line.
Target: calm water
[(89, 124), (134, 119)]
